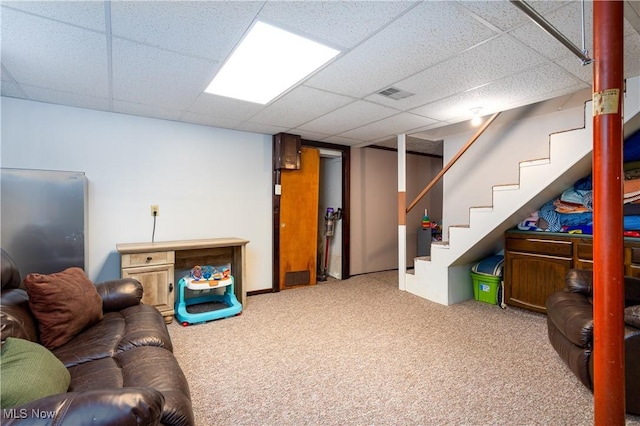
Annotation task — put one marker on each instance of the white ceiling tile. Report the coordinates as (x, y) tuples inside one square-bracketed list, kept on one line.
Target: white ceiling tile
[(573, 64), (233, 109), (209, 120), (54, 55), (145, 110), (286, 111), (401, 123), (66, 98), (146, 75), (349, 117), (206, 29), (87, 14), (634, 5), (305, 134), (566, 20), (632, 17), (164, 53), (412, 43), (632, 55), (503, 14), (332, 21), (264, 129), (11, 89), (631, 52), (5, 75), (435, 125), (340, 140), (415, 145), (521, 89), (490, 61)]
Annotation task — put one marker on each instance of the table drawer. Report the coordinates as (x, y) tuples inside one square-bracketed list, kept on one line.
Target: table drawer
[(540, 246), (584, 251), (635, 255), (146, 259)]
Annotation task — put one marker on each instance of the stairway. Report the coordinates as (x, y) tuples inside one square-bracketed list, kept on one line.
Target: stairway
[(444, 276)]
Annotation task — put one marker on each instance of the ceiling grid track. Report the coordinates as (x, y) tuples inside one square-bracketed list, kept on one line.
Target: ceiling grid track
[(107, 34)]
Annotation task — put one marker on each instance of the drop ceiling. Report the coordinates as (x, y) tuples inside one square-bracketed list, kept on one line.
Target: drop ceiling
[(155, 58)]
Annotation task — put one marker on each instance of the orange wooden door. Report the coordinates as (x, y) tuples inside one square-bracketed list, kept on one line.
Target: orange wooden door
[(299, 221)]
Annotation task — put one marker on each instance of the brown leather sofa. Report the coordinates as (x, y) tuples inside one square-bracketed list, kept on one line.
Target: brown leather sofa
[(122, 369), (570, 327)]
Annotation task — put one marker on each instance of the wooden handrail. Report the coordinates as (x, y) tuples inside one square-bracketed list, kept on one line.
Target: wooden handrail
[(453, 160)]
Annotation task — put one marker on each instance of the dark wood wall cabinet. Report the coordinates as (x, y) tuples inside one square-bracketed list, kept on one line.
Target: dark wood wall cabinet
[(535, 264)]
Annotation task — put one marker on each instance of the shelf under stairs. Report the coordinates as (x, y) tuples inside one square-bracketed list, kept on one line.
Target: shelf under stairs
[(444, 276)]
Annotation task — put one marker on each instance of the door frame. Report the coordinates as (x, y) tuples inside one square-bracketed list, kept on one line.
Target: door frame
[(344, 222)]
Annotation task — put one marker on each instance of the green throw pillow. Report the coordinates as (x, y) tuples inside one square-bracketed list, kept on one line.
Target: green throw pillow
[(29, 372)]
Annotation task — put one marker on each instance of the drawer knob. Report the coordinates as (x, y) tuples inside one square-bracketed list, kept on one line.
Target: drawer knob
[(170, 287), (149, 258)]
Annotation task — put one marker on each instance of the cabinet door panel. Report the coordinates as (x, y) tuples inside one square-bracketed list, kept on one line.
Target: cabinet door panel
[(634, 271), (157, 282), (531, 279)]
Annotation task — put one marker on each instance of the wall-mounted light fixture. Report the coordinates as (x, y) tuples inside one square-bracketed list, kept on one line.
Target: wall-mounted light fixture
[(475, 116)]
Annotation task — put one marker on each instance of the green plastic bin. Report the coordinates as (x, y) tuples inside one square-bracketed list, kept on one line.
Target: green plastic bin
[(485, 287)]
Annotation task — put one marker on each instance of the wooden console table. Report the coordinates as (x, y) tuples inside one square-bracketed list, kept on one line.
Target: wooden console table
[(154, 265)]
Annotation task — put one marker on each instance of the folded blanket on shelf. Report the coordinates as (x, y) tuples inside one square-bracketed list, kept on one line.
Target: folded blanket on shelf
[(581, 197), (559, 220), (569, 208), (631, 189), (530, 223)]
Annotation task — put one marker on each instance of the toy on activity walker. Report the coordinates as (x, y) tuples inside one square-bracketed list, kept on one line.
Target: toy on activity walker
[(204, 277)]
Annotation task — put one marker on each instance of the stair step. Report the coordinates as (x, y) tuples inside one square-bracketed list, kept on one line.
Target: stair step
[(440, 244), (510, 187), (443, 277), (536, 162)]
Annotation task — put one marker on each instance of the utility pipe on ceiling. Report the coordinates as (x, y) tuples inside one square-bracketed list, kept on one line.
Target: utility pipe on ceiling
[(608, 240), (552, 31)]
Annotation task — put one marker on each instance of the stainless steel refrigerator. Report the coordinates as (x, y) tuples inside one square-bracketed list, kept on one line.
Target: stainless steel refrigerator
[(44, 218)]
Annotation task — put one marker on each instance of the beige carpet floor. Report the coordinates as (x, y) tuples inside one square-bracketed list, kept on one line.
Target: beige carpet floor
[(361, 352)]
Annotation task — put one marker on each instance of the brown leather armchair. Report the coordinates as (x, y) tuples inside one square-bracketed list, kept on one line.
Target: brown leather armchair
[(122, 369), (570, 327)]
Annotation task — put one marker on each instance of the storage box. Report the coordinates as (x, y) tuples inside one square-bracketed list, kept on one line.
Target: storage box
[(485, 287)]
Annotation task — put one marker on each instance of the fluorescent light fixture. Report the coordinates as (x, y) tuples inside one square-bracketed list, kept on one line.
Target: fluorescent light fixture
[(266, 63)]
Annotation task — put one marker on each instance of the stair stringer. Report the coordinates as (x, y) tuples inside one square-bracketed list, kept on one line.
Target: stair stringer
[(444, 276)]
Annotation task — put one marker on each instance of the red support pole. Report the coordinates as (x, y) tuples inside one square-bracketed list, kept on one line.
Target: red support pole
[(608, 292)]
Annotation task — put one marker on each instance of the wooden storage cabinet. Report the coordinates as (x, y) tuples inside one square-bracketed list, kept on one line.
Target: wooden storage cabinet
[(155, 265), (632, 259), (536, 264), (155, 271), (533, 278)]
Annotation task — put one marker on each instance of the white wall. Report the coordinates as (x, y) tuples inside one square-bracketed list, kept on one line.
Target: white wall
[(494, 158), (374, 206), (208, 182)]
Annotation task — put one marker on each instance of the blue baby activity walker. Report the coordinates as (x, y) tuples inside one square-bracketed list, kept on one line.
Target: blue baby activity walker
[(203, 282)]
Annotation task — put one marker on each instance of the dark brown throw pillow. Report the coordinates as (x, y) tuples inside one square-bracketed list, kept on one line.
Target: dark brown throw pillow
[(64, 303)]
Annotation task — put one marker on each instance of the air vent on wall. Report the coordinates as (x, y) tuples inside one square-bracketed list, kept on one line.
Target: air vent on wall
[(395, 93)]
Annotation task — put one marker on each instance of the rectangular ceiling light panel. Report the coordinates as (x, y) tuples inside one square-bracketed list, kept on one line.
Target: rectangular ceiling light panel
[(266, 63)]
